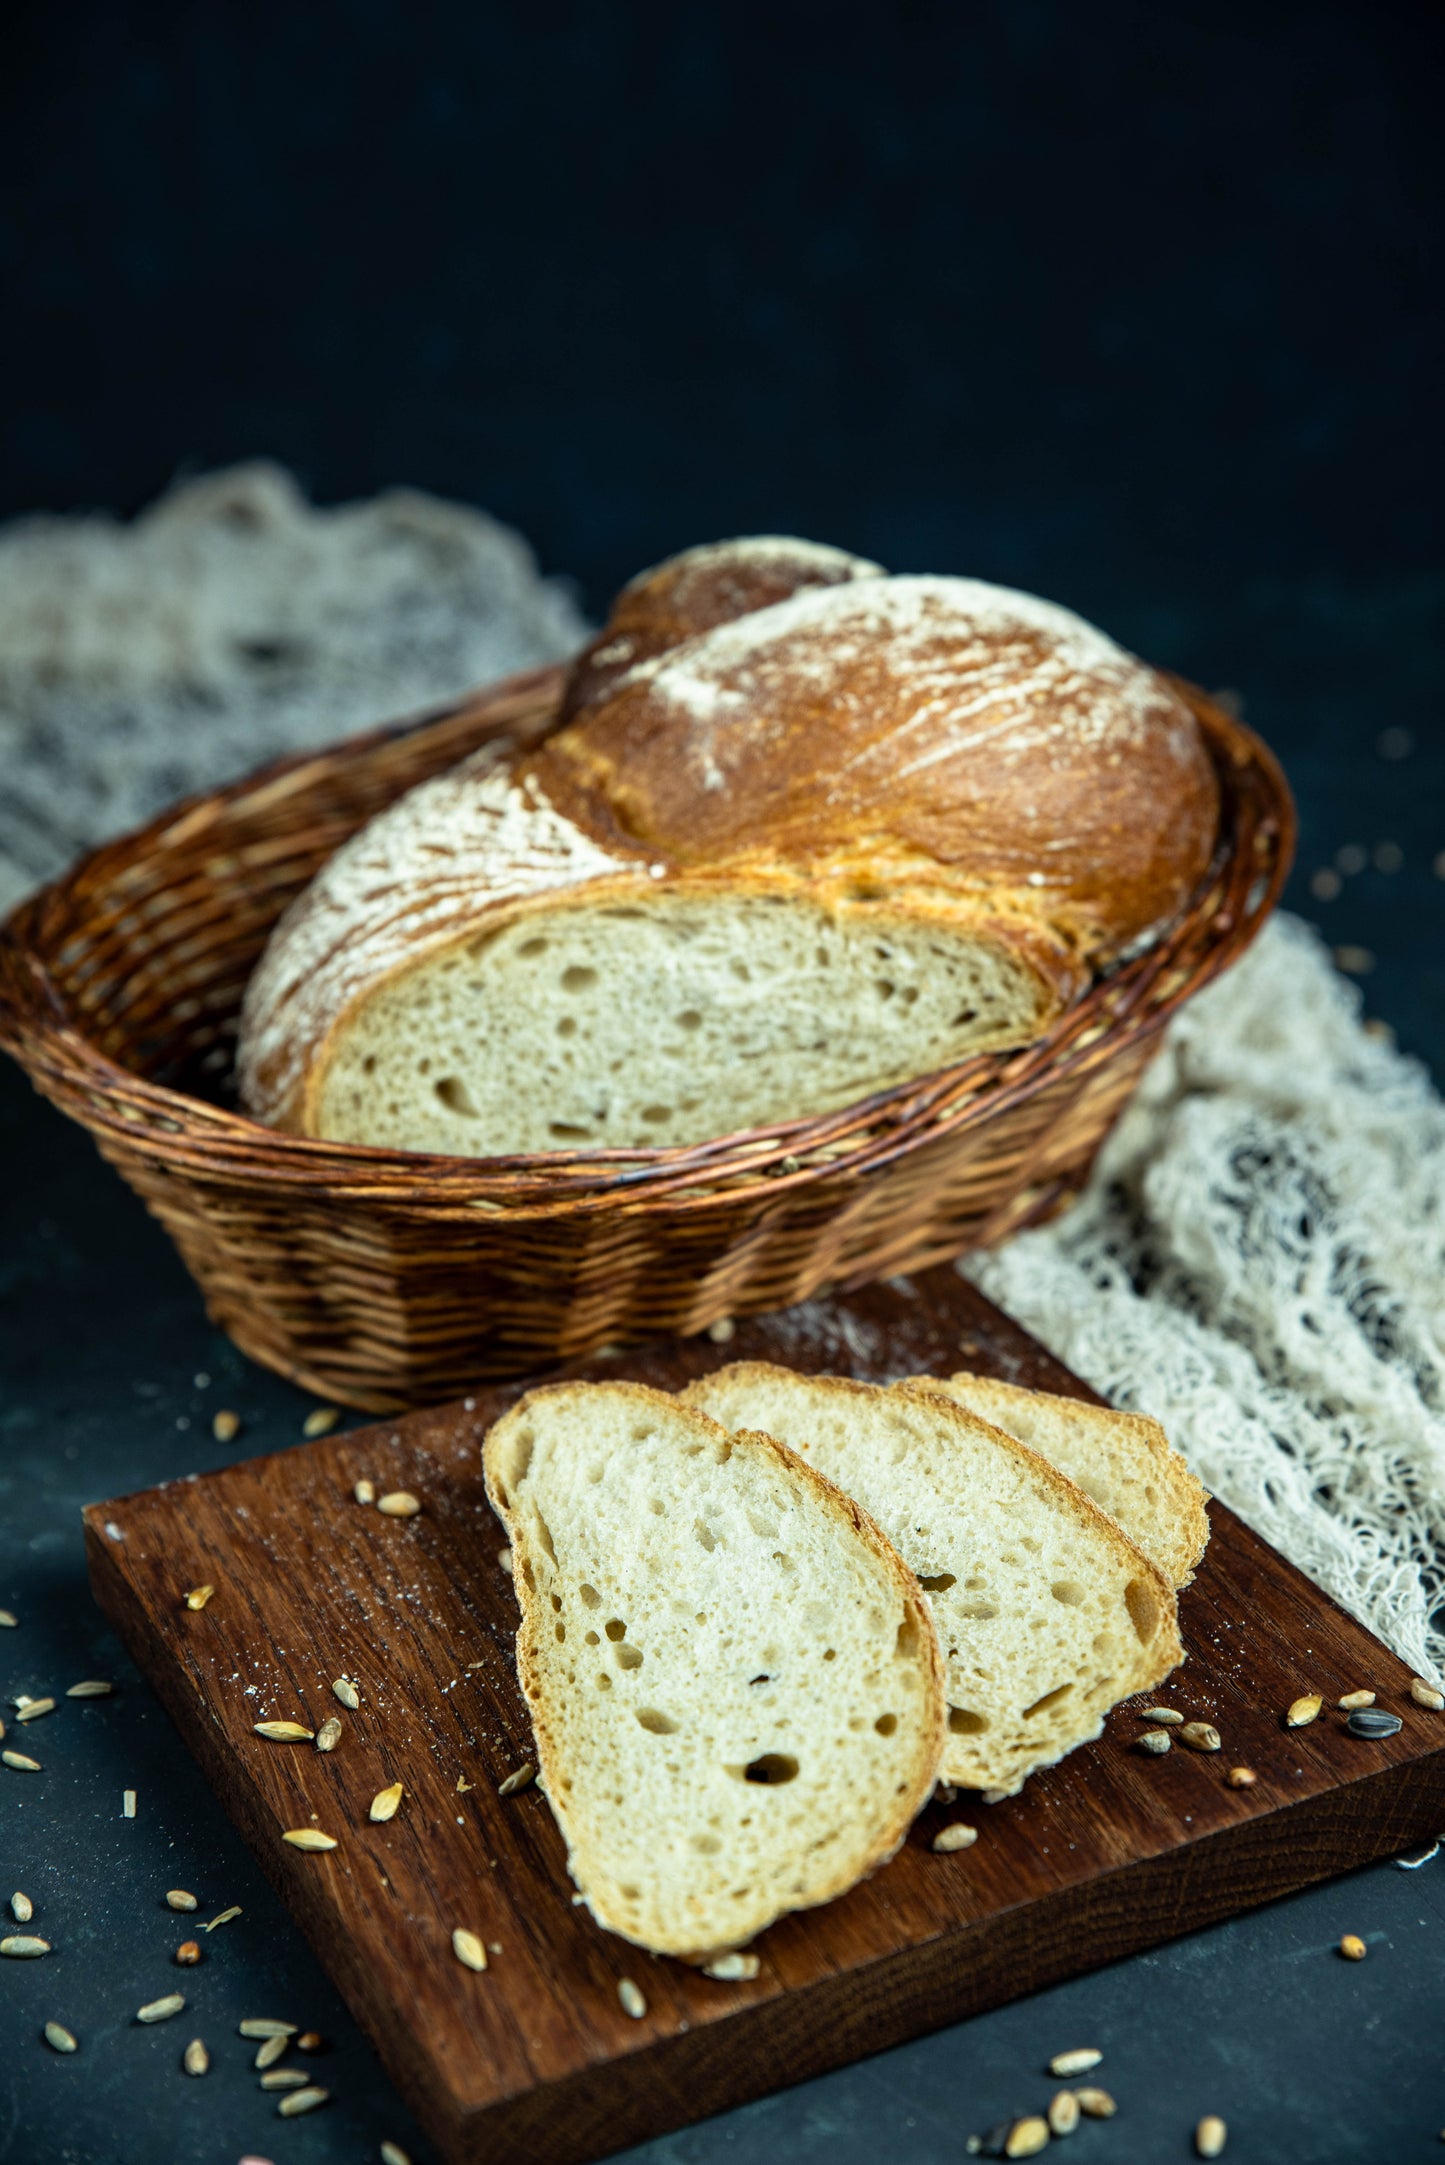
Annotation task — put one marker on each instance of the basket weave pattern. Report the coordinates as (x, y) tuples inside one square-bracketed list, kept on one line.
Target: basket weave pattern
[(386, 1279)]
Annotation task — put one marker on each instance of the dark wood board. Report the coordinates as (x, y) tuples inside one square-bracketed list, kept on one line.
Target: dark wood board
[(535, 2061)]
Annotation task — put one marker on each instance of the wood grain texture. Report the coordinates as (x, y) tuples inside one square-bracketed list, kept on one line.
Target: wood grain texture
[(535, 2060)]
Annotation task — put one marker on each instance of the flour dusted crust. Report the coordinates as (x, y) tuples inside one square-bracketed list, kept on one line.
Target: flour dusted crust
[(924, 762)]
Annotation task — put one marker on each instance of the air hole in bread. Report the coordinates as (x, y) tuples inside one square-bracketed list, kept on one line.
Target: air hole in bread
[(592, 1639), (658, 1508), (772, 1769), (543, 1535), (886, 1724), (1142, 1603), (565, 1132), (965, 1014), (761, 1678), (556, 1600), (706, 1845), (604, 1682), (885, 988), (1069, 1591), (705, 1535), (905, 1646), (529, 948), (1050, 1698), (566, 1026), (629, 1657), (980, 1611), (741, 970), (456, 1097), (689, 1019), (830, 1653), (938, 1585), (760, 1525), (368, 1065), (578, 977), (561, 1630), (656, 1115), (589, 1596), (615, 1628), (965, 1723), (658, 1725)]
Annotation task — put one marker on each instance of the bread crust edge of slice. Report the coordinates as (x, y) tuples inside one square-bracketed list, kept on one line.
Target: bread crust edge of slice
[(843, 1508)]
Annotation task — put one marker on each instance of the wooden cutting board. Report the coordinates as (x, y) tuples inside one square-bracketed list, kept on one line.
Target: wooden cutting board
[(535, 2060)]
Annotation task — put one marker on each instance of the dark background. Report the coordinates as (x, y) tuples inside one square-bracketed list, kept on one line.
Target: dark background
[(1138, 307)]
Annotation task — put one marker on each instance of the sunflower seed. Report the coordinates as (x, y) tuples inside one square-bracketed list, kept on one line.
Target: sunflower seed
[(1303, 1711), (91, 1687), (301, 2101), (1077, 2062), (1241, 1777), (1425, 1694), (127, 1804), (283, 1732), (9, 1621), (309, 2041), (387, 1803), (63, 2040), (309, 1838), (161, 2010), (1154, 1740), (199, 1596), (393, 2154), (1164, 1714), (188, 1953), (1352, 1947), (525, 1773), (320, 1420), (1097, 2104), (1373, 1722), (328, 1736), (23, 1944), (632, 2001), (224, 1918), (958, 1836), (1210, 2136), (1353, 1699), (1027, 2137), (274, 2049), (34, 1708), (1200, 1736), (1063, 2113), (19, 1761), (733, 1969), (468, 1949), (264, 2026), (195, 2059), (22, 1909), (344, 1690), (225, 1425), (284, 2078), (400, 1504), (177, 1898), (365, 1492)]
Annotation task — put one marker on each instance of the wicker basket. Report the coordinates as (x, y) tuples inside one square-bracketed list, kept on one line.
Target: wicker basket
[(385, 1279)]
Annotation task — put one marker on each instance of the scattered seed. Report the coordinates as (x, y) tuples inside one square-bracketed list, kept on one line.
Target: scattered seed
[(23, 1945), (310, 1838), (504, 1558), (19, 1761), (1425, 1694), (1165, 1714), (161, 2010), (188, 1953), (1353, 1699), (283, 1732), (301, 2101), (1200, 1736), (468, 1949), (365, 1492), (310, 2041), (320, 1420), (264, 2026), (195, 2059), (1097, 2104), (1241, 1777), (9, 1621), (724, 1330), (63, 2040), (1352, 1947), (1303, 1711), (400, 1504), (1373, 1722), (387, 1803), (271, 2051), (732, 1969), (177, 1898), (632, 2001), (225, 1425), (1154, 1740), (1210, 2136), (1077, 2062), (199, 1596), (524, 1774), (34, 1708), (22, 1909), (127, 1804), (328, 1736), (1027, 2137), (957, 1836), (1063, 2113), (393, 2154), (224, 1918), (284, 2078), (90, 1687), (344, 1690)]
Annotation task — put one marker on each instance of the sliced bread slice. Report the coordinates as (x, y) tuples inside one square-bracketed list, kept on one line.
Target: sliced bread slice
[(734, 1681), (1123, 1460), (1047, 1613)]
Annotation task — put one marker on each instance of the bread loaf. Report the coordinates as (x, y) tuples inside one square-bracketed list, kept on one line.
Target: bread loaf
[(734, 1682), (787, 852), (1047, 1613)]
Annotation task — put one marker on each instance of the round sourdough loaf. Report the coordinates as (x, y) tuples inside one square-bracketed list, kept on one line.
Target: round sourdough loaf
[(808, 831)]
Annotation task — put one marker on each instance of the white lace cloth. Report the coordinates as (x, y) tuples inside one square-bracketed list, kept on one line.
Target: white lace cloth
[(1259, 1259)]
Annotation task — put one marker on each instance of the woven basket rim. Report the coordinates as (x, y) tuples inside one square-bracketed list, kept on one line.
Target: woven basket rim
[(39, 1027)]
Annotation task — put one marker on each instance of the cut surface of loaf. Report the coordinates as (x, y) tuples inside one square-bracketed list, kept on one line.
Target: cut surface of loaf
[(1047, 1614), (734, 1682), (1123, 1460)]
